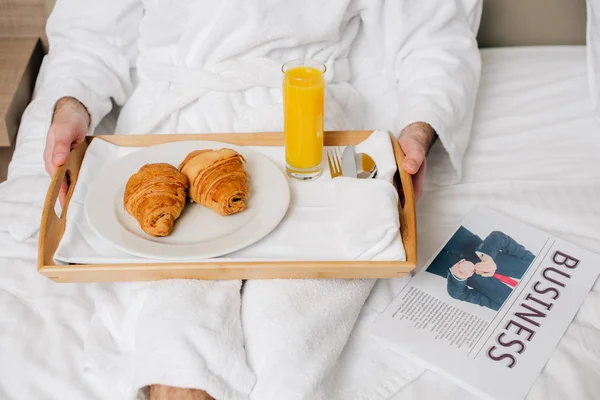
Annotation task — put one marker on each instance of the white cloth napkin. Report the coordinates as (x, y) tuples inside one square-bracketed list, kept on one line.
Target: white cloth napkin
[(328, 219)]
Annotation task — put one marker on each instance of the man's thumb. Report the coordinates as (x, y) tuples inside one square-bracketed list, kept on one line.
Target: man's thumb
[(62, 149), (414, 156)]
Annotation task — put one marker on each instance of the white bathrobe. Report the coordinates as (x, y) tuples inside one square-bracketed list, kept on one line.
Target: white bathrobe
[(214, 66)]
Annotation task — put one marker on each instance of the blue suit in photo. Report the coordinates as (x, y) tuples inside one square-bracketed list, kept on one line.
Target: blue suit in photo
[(511, 258)]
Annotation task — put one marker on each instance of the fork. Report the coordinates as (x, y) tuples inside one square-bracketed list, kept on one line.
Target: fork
[(335, 162)]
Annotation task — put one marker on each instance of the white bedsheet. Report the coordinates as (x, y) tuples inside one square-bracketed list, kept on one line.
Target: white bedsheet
[(535, 153)]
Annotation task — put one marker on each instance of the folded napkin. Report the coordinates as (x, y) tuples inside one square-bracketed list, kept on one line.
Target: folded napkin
[(328, 219)]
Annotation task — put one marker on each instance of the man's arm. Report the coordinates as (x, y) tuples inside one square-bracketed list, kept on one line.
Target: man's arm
[(437, 67), (457, 289), (91, 49), (498, 241), (92, 46), (438, 74)]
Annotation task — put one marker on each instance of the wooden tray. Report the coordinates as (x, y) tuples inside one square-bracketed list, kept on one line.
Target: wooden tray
[(53, 226)]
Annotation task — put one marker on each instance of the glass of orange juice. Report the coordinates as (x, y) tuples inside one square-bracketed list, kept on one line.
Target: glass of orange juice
[(303, 118)]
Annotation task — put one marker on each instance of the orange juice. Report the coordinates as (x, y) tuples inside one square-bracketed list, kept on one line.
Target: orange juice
[(303, 105)]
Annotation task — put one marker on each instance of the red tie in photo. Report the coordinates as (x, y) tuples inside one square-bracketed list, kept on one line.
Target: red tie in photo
[(509, 281)]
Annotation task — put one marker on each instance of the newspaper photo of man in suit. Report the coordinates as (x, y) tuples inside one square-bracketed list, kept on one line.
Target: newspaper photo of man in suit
[(481, 271)]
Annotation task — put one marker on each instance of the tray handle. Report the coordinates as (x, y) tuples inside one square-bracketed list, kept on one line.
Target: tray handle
[(406, 204), (52, 225)]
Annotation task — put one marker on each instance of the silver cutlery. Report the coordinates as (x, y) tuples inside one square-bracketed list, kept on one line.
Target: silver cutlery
[(365, 166), (335, 162), (349, 162), (359, 165)]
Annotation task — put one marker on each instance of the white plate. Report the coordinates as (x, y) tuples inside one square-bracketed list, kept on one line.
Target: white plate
[(199, 232)]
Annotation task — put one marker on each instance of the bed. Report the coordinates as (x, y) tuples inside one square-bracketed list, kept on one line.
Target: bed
[(534, 154)]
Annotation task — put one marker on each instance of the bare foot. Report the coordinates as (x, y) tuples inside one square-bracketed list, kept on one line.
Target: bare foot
[(161, 392)]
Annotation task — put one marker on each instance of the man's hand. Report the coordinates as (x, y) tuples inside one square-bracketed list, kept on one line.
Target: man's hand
[(415, 140), (70, 124), (463, 269), (486, 267)]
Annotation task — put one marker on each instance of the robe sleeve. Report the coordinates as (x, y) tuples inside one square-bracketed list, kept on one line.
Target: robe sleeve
[(499, 242), (438, 72), (433, 58), (92, 48)]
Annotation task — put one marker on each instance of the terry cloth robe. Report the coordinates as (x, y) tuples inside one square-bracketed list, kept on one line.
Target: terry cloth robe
[(194, 66)]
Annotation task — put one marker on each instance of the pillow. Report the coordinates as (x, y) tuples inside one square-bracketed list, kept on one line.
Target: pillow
[(593, 52)]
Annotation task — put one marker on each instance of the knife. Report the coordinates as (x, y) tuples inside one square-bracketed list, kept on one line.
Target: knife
[(349, 162)]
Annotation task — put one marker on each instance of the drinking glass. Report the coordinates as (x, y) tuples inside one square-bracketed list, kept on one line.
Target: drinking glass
[(303, 115)]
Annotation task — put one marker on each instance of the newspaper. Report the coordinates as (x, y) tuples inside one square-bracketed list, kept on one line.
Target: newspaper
[(491, 305)]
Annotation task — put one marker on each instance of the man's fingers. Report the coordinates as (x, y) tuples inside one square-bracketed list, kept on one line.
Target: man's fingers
[(485, 270), (418, 180), (415, 140), (77, 141), (48, 154), (62, 148), (414, 154), (413, 161), (62, 194), (49, 168), (67, 131)]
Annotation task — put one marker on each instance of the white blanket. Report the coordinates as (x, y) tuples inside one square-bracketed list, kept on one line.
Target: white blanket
[(534, 155)]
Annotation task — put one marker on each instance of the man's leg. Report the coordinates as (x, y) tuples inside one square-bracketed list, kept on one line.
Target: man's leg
[(295, 331), (161, 392), (186, 334), (189, 335)]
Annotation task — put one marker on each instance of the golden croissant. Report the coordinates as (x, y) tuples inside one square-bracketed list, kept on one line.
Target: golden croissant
[(155, 197), (217, 180)]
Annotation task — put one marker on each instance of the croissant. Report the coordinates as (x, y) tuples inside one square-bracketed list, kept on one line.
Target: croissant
[(217, 180), (155, 197)]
